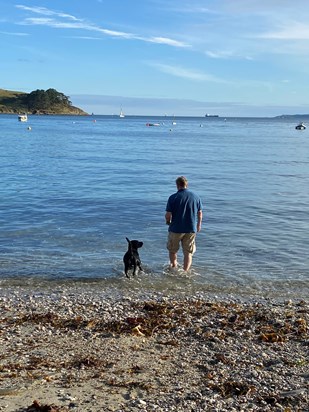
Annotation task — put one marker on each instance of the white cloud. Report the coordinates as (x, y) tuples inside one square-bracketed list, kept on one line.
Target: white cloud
[(221, 54), (226, 54), (165, 40), (186, 73), (115, 33), (71, 22), (46, 12), (44, 21), (14, 34), (84, 37), (290, 31)]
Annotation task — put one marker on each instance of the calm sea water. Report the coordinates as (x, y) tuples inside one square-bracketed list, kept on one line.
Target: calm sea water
[(72, 189)]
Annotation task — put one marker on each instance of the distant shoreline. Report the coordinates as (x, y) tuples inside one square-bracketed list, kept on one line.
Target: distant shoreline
[(162, 117)]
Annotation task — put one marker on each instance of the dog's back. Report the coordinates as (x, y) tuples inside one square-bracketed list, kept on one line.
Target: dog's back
[(131, 258)]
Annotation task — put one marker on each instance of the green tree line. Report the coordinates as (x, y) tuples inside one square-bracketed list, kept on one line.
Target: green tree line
[(39, 101), (45, 99)]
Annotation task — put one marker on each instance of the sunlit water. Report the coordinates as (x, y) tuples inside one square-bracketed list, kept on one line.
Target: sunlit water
[(72, 189)]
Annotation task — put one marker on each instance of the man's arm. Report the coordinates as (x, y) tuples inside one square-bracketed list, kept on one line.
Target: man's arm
[(168, 217), (199, 220)]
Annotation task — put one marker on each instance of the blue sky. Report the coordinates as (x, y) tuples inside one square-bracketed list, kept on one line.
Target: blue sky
[(157, 57)]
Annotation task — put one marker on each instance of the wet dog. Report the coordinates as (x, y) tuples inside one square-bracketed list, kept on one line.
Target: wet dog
[(131, 258)]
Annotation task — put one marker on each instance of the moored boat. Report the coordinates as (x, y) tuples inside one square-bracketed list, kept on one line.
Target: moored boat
[(22, 117), (300, 126)]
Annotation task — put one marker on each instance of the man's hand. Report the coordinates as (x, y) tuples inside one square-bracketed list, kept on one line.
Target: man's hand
[(168, 218)]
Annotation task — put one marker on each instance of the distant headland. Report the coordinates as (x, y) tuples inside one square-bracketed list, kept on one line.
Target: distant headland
[(37, 102), (283, 116)]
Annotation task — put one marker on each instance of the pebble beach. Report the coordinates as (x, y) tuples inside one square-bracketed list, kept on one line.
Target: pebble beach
[(75, 348)]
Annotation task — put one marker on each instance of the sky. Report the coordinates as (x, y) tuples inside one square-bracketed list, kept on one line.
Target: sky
[(161, 57)]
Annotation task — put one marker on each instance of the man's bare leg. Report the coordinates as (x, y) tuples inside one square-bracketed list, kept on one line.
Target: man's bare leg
[(187, 261), (173, 259)]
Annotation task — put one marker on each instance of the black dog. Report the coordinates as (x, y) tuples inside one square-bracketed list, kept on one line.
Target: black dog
[(131, 258)]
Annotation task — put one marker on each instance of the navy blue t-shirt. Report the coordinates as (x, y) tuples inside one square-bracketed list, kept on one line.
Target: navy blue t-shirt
[(184, 206)]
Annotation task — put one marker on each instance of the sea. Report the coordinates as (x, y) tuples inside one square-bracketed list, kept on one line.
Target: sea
[(73, 188)]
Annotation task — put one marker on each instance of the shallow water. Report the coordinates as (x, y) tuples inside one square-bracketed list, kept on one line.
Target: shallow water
[(73, 188)]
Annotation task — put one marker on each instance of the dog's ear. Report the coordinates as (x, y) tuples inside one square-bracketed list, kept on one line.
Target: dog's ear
[(128, 240)]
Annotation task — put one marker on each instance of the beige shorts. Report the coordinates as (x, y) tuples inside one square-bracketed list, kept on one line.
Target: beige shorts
[(187, 242)]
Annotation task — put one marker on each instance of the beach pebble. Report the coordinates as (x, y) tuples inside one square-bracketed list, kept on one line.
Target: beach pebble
[(193, 353), (292, 393)]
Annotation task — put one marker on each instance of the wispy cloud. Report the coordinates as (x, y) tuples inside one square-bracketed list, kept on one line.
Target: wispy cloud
[(169, 42), (241, 25), (289, 31), (14, 33), (44, 21), (84, 37), (226, 54), (182, 8), (182, 72), (46, 12), (67, 21)]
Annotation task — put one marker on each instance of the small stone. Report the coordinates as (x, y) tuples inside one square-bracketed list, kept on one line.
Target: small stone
[(291, 394)]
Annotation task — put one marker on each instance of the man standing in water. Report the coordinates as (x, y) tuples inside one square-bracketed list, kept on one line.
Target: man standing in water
[(184, 217)]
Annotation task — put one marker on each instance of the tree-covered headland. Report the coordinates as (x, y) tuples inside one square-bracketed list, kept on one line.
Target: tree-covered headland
[(48, 101)]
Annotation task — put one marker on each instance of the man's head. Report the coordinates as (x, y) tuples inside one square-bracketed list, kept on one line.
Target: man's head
[(181, 182)]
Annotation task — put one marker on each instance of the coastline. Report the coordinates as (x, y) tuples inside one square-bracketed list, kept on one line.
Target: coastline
[(80, 349)]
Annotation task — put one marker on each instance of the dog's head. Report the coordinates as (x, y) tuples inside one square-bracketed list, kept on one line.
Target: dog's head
[(134, 244)]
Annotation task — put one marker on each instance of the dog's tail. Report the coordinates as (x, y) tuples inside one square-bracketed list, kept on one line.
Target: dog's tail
[(130, 244)]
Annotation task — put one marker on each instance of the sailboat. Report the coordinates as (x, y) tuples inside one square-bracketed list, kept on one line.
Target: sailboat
[(121, 113)]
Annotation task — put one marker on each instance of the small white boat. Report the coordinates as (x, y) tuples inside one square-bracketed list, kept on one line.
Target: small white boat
[(300, 126), (121, 114), (22, 117), (152, 124)]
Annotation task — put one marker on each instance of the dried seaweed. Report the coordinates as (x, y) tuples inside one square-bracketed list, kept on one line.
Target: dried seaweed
[(217, 320), (88, 362), (231, 388), (230, 350), (36, 406), (129, 384)]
